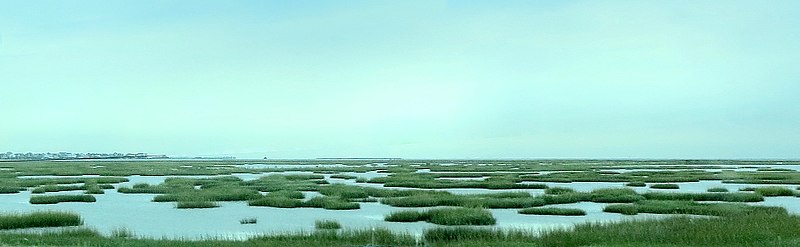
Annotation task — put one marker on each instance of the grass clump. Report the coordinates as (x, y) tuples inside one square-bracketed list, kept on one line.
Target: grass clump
[(717, 189), (774, 191), (56, 188), (53, 199), (406, 216), (563, 198), (39, 219), (276, 202), (615, 195), (33, 182), (287, 194), (445, 216), (332, 203), (10, 189), (222, 193), (714, 196), (327, 225), (558, 190), (553, 211), (344, 191), (636, 184), (143, 188), (665, 186), (196, 204), (748, 189), (689, 207)]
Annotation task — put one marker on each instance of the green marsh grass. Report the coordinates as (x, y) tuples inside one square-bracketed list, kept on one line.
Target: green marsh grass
[(558, 190), (143, 188), (53, 199), (433, 181), (39, 219), (708, 196), (90, 238), (332, 203), (717, 189), (460, 216), (325, 202), (774, 191), (344, 191), (514, 199), (90, 186), (636, 184), (343, 176), (689, 207), (665, 186), (445, 216), (566, 198), (94, 191), (735, 231), (371, 199), (10, 188), (327, 225), (287, 194), (747, 189), (615, 195), (222, 193), (553, 211), (196, 204), (406, 216), (430, 200), (275, 202), (56, 188), (33, 182), (739, 231), (122, 232), (445, 236)]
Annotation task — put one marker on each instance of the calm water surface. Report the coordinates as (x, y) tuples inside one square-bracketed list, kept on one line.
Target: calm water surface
[(137, 213)]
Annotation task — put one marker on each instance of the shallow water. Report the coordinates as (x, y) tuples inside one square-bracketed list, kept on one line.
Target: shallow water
[(790, 203), (137, 213)]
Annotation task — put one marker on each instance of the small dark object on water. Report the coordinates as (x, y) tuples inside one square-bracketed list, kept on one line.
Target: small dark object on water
[(248, 221)]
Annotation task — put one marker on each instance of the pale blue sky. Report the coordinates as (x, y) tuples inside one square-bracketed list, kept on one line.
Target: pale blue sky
[(411, 79)]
